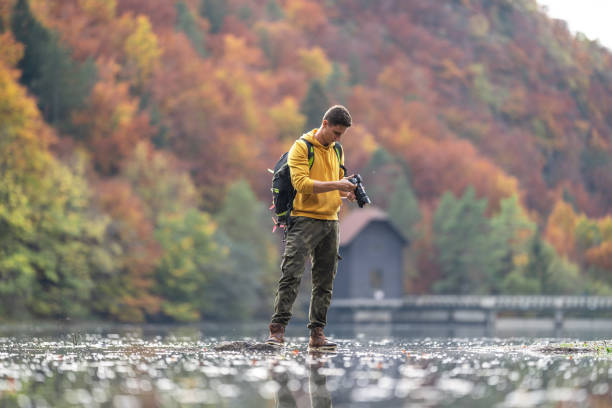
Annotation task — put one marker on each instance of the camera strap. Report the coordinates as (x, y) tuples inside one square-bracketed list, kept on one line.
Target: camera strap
[(345, 172)]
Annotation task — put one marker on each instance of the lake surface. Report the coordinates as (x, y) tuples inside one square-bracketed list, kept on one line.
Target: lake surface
[(174, 367)]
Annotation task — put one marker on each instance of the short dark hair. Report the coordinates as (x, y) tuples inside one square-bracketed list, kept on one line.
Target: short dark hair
[(338, 115)]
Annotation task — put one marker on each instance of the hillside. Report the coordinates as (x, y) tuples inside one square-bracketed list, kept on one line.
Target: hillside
[(529, 99), (159, 108)]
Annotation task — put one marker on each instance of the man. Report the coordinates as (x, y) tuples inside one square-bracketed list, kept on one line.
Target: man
[(313, 227)]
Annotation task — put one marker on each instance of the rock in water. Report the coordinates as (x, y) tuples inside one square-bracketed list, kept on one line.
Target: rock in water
[(231, 346), (262, 347), (244, 346)]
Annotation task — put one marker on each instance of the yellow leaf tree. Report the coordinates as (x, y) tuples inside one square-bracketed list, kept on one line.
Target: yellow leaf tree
[(287, 119), (560, 228), (142, 52), (315, 63)]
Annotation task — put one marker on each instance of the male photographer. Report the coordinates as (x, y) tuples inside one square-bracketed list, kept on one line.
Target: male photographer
[(313, 226)]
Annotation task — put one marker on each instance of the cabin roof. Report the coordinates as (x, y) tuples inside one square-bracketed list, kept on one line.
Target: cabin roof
[(353, 223)]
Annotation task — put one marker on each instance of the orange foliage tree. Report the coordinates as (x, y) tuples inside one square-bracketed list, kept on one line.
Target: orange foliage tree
[(128, 296), (111, 124)]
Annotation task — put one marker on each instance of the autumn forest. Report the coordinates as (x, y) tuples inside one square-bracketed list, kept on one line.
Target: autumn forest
[(135, 138)]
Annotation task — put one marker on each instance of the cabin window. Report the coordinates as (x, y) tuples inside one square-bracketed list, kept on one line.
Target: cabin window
[(376, 279)]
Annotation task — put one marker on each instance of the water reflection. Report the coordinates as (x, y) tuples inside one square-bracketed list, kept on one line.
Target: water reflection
[(290, 389), (319, 394), (506, 328), (285, 395), (182, 368)]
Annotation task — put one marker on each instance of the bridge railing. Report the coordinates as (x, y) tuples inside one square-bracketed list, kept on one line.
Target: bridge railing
[(497, 303)]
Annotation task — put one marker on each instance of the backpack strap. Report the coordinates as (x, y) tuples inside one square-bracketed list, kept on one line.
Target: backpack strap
[(310, 148), (339, 153), (337, 149)]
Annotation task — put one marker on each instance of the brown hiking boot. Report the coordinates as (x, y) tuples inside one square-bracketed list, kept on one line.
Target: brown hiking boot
[(319, 342), (277, 334)]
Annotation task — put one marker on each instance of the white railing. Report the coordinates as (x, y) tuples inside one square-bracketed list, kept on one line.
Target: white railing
[(503, 302)]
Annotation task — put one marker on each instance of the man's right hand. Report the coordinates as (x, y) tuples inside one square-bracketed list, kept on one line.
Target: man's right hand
[(345, 185)]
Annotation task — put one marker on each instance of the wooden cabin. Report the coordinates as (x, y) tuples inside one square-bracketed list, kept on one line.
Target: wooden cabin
[(372, 263)]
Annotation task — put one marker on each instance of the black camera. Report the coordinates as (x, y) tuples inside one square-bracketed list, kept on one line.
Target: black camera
[(360, 193)]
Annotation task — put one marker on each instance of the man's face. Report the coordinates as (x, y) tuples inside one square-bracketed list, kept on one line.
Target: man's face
[(330, 134)]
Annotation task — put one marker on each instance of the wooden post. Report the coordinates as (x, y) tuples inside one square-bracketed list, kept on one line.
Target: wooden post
[(490, 319), (451, 316), (558, 319)]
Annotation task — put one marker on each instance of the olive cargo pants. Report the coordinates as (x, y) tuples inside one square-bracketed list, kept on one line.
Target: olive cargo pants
[(319, 238)]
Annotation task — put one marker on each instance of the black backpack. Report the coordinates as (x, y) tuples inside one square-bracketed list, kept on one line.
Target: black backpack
[(283, 192)]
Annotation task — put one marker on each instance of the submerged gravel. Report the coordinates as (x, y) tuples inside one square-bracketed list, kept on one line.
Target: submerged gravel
[(135, 370)]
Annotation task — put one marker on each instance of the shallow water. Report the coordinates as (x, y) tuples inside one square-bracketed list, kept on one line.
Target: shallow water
[(181, 368)]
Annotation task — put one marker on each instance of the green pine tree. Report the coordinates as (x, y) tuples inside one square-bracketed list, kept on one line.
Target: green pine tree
[(314, 105), (404, 208), (192, 263), (381, 175), (244, 229), (48, 70), (215, 12), (356, 74), (550, 273), (186, 23), (465, 250), (510, 230), (540, 258), (338, 83), (379, 158), (274, 12)]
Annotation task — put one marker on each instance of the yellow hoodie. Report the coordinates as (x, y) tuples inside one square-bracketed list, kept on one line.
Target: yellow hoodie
[(322, 206)]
